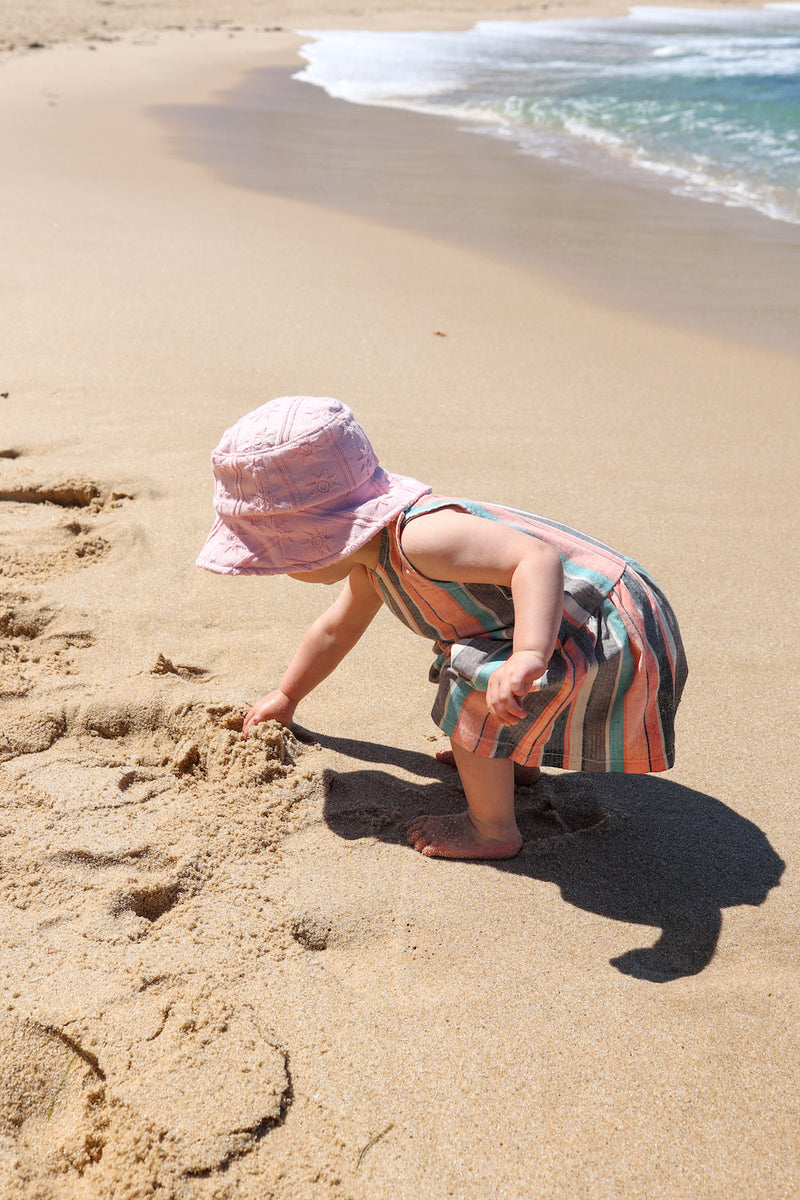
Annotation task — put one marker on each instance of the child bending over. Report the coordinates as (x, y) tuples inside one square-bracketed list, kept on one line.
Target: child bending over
[(551, 648)]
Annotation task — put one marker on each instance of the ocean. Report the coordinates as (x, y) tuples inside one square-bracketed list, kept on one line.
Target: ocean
[(707, 102)]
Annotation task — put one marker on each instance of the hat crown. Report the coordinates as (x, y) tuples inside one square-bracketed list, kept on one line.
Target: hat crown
[(298, 486), (294, 454)]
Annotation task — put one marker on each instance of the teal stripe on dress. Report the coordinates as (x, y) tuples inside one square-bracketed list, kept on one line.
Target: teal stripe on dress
[(485, 615), (463, 596), (595, 578), (485, 673), (456, 698)]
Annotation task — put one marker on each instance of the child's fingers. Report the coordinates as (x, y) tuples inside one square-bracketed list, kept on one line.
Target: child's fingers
[(510, 684), (274, 707), (505, 717), (504, 699), (255, 716), (507, 709)]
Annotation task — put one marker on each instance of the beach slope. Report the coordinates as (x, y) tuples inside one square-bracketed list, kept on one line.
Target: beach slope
[(224, 972)]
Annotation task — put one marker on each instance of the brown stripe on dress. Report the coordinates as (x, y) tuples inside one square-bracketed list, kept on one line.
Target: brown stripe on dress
[(602, 694)]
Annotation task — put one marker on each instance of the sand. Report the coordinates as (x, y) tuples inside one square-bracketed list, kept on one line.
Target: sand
[(224, 974)]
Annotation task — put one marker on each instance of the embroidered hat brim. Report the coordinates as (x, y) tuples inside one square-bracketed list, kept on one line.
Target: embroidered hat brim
[(277, 544), (297, 488)]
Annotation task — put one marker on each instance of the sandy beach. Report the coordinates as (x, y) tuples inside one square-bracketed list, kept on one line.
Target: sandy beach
[(224, 973)]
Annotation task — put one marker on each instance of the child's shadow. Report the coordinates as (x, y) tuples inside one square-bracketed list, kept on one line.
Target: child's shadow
[(635, 848)]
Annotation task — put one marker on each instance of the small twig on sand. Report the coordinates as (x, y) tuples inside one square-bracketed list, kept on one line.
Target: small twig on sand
[(60, 1086), (372, 1142)]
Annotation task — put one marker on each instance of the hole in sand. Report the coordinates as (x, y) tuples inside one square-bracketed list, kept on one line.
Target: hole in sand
[(19, 618), (89, 858), (130, 777), (110, 722), (81, 639), (310, 932), (148, 902), (76, 527)]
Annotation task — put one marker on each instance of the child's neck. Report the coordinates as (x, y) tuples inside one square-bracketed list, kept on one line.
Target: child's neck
[(370, 554)]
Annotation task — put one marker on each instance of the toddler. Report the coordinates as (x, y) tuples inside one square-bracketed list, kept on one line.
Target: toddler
[(550, 647)]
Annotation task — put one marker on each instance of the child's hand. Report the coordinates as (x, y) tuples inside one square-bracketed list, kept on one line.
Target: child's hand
[(274, 707), (510, 684)]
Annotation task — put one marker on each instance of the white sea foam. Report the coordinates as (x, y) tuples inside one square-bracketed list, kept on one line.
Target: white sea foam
[(707, 98)]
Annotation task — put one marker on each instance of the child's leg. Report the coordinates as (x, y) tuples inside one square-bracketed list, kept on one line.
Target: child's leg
[(488, 828), (522, 775)]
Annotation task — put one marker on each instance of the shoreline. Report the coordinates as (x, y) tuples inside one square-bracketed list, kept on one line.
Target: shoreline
[(623, 241), (226, 973)]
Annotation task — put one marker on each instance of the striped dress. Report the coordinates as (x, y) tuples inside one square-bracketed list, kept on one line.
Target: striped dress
[(608, 698)]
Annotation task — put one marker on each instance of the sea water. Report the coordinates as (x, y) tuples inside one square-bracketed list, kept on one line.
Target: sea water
[(708, 101)]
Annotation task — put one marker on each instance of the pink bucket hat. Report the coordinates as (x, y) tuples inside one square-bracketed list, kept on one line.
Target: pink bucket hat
[(298, 487)]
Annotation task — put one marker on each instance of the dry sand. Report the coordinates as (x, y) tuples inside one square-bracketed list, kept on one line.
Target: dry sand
[(223, 972)]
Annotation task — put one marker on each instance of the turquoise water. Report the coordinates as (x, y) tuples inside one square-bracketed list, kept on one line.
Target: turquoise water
[(706, 100)]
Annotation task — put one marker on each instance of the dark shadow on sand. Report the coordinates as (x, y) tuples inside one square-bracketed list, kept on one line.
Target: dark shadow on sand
[(634, 848)]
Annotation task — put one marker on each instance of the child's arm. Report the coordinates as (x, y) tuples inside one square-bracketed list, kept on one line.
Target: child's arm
[(322, 648), (461, 548)]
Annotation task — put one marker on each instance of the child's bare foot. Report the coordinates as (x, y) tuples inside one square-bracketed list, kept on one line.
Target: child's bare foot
[(522, 775), (455, 836)]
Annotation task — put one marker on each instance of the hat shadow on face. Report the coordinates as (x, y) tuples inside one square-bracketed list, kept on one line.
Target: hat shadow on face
[(633, 848)]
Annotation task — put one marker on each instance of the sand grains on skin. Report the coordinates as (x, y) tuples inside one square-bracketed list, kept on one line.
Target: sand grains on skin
[(454, 836)]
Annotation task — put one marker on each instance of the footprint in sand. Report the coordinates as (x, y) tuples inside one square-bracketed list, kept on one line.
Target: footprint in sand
[(198, 1070), (135, 807), (30, 651), (53, 1113), (143, 825), (44, 516), (182, 1080)]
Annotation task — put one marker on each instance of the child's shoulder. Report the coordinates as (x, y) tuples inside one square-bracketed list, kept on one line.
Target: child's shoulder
[(591, 567)]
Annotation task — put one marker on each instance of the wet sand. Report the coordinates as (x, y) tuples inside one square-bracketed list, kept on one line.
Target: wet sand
[(616, 236)]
